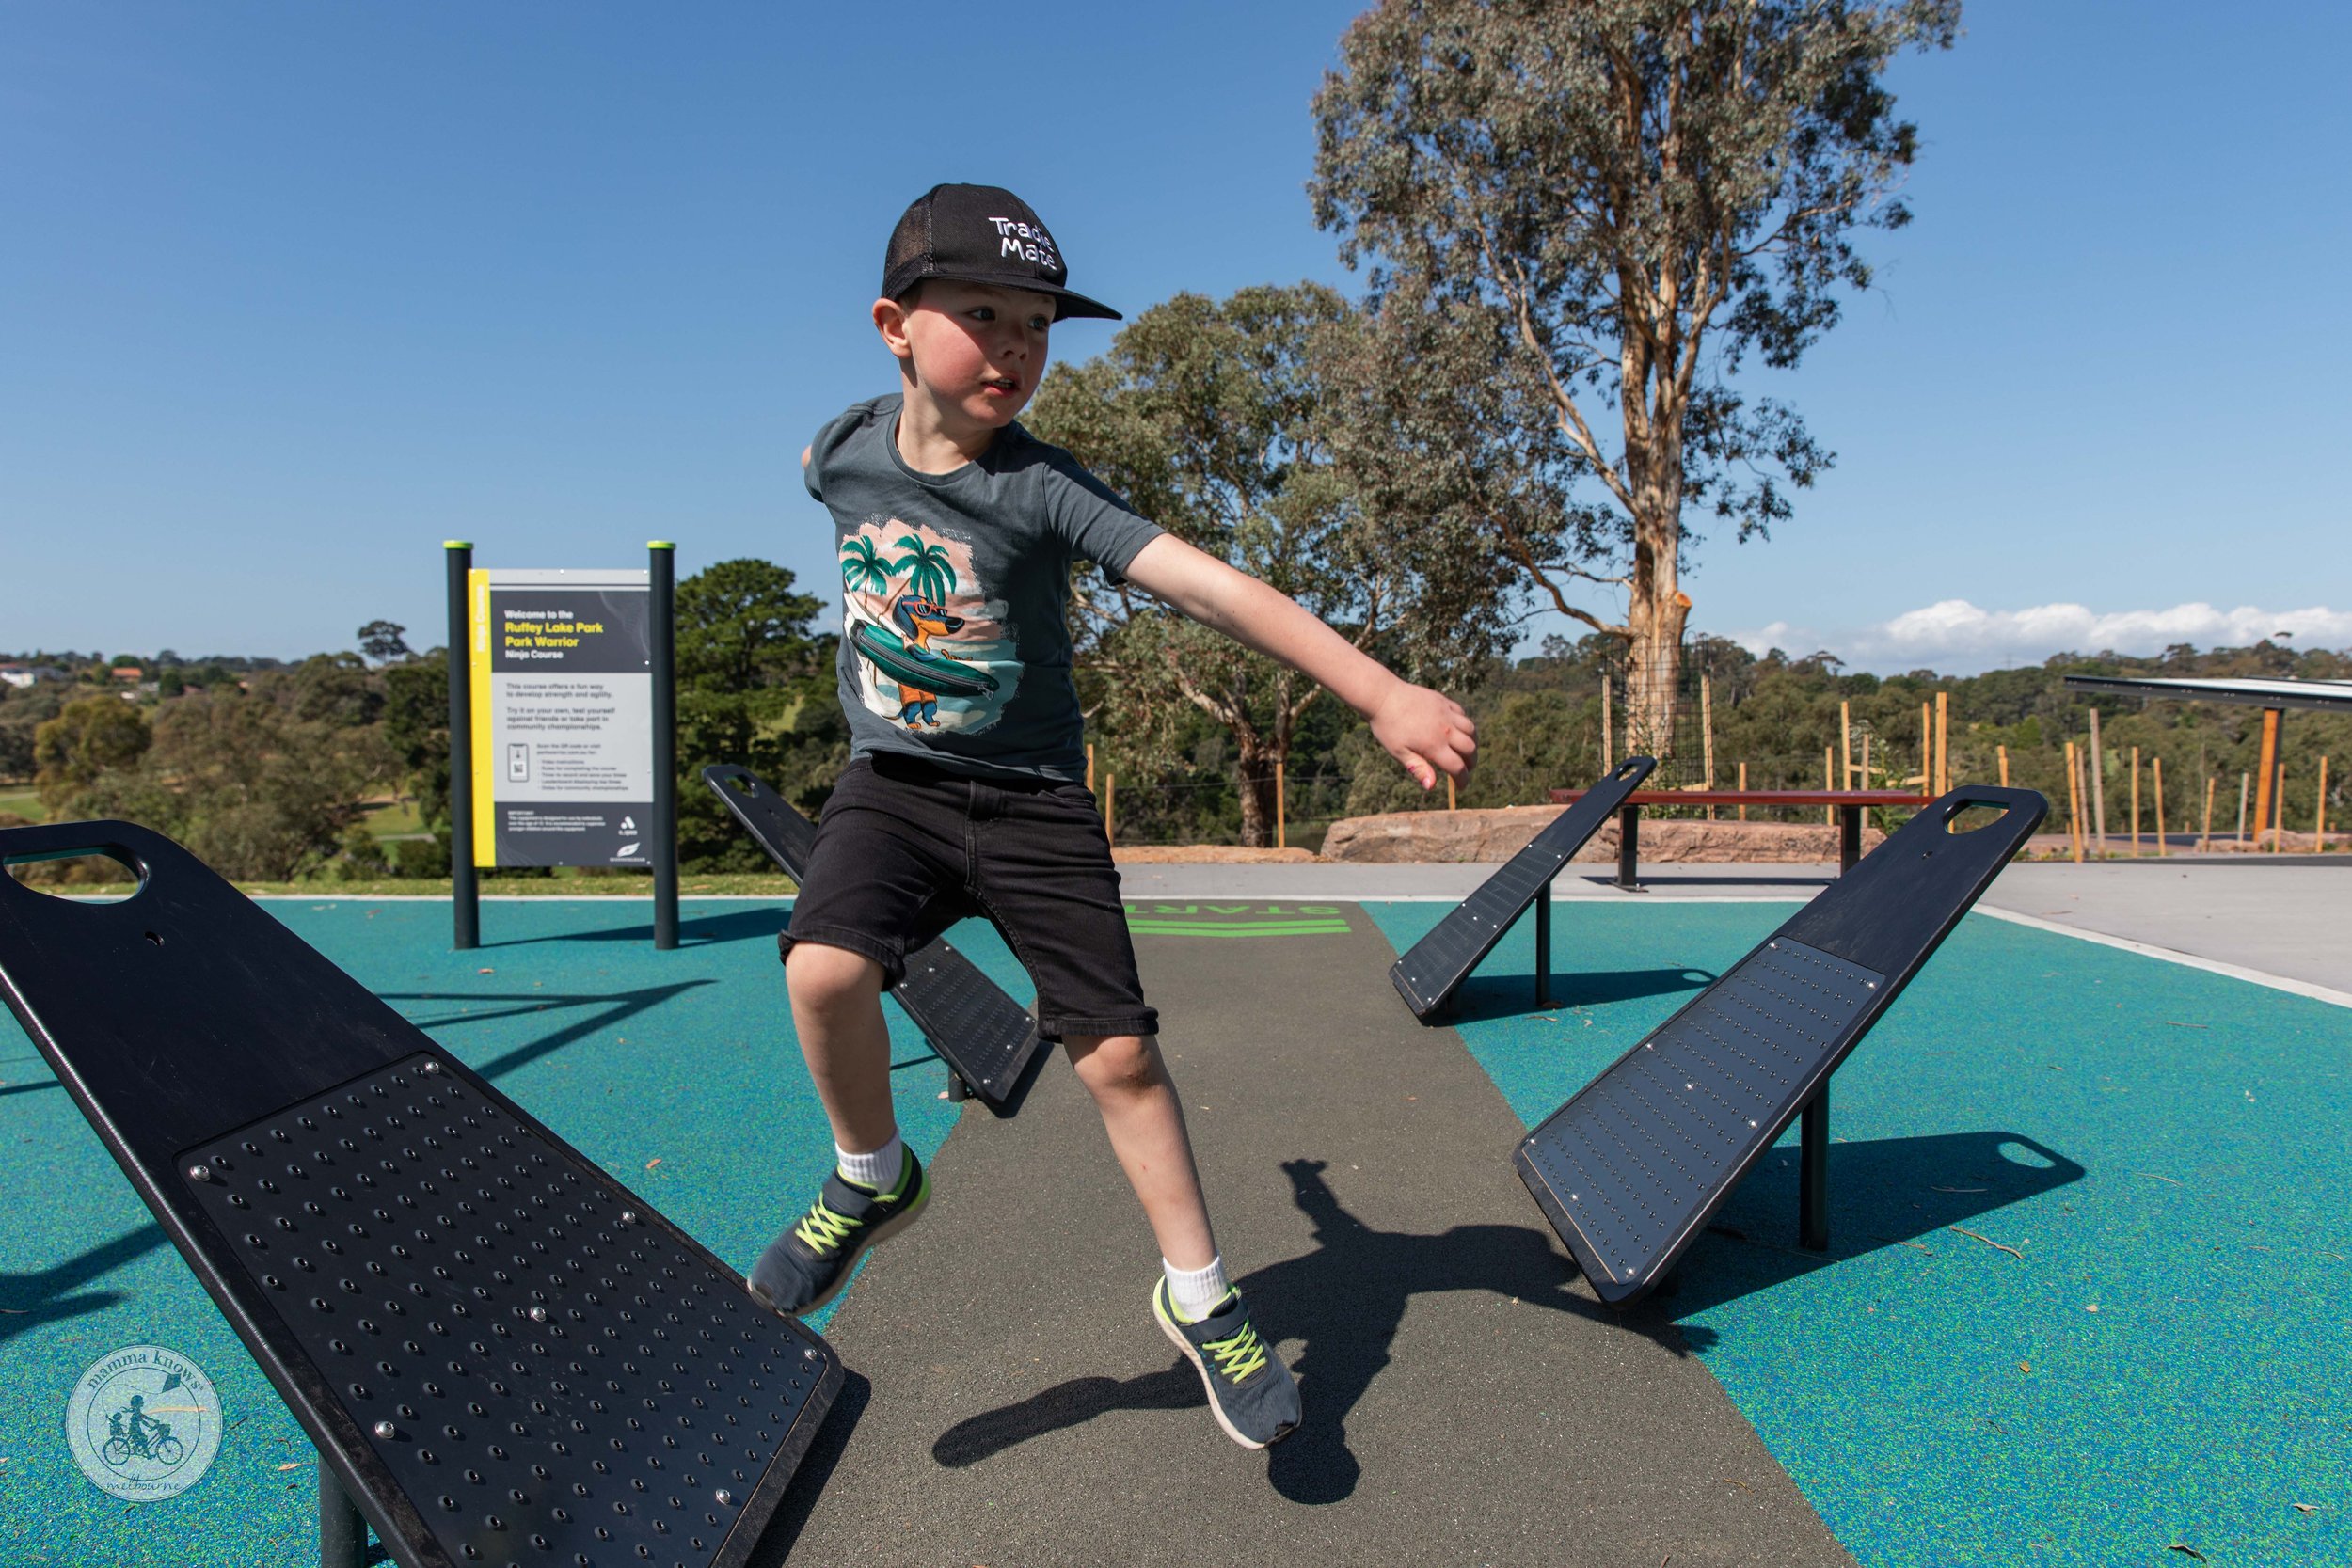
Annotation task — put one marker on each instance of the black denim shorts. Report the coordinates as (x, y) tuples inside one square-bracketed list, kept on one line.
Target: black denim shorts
[(905, 850)]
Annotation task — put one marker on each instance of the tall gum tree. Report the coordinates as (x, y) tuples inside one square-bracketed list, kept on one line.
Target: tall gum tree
[(1215, 420), (1570, 203)]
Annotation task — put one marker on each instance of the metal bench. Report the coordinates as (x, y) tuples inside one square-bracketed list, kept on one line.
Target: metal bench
[(988, 1040), (1851, 805), (1631, 1169), (504, 1356), (1435, 967)]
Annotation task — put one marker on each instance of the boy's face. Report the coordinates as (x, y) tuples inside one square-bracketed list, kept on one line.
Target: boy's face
[(976, 351)]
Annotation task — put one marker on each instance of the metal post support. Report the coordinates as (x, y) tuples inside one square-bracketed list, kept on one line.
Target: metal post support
[(465, 890), (1628, 847), (1848, 837), (1813, 1176), (343, 1534), (662, 580), (1543, 945)]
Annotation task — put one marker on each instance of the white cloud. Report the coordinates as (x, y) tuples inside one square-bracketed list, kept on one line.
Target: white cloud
[(1957, 637)]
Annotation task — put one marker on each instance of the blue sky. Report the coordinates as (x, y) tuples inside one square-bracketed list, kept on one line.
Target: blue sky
[(288, 294)]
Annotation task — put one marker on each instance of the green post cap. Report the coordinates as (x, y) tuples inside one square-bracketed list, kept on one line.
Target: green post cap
[(458, 544), (659, 545)]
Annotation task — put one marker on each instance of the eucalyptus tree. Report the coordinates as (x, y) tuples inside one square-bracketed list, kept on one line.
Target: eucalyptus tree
[(1587, 212), (1215, 419)]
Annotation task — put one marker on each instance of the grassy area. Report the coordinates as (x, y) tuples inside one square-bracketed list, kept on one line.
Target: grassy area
[(394, 820), (21, 799)]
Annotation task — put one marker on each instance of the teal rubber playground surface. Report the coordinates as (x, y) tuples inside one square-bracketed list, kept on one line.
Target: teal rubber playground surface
[(2085, 1298)]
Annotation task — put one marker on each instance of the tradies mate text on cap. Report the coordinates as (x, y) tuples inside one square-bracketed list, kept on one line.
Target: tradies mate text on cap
[(980, 234)]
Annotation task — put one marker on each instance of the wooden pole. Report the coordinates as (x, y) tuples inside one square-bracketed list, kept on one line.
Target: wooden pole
[(1845, 744), (2265, 769), (1608, 732), (1281, 808), (2073, 804), (2319, 817), (1110, 808), (1090, 768), (1706, 735), (2162, 848), (1865, 759), (2134, 800), (2098, 785), (2242, 780), (1927, 749), (1448, 792), (1744, 785), (1829, 780), (2204, 841), (2001, 752), (1942, 742)]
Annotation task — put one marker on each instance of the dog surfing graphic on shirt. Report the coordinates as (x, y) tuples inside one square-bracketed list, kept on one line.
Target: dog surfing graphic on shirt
[(933, 652)]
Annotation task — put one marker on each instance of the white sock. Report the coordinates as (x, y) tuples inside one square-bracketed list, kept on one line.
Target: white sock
[(879, 1170), (1195, 1292)]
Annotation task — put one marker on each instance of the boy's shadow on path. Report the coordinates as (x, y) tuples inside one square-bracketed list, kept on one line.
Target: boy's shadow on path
[(1346, 1297)]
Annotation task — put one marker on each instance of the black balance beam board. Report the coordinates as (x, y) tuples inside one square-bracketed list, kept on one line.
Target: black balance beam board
[(987, 1038), (503, 1354), (1435, 967), (1629, 1170)]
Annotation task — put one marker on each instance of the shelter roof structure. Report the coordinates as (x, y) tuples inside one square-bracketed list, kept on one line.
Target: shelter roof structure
[(2332, 695)]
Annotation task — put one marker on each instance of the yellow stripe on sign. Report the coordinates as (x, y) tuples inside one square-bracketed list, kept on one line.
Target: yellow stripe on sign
[(484, 834)]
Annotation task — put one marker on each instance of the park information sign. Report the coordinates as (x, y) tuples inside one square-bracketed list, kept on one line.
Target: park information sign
[(563, 717)]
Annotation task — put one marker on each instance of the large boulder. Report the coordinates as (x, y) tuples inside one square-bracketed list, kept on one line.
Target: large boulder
[(1498, 834)]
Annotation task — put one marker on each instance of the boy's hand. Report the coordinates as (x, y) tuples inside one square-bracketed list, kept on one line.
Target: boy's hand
[(1427, 732)]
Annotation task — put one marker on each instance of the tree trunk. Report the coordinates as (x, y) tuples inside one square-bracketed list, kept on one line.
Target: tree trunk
[(1656, 610), (1255, 778)]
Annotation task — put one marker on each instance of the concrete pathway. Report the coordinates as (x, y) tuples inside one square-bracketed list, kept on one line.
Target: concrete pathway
[(1468, 1400), (2288, 915)]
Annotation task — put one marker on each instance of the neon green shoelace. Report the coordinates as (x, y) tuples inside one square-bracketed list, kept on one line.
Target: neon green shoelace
[(822, 1230), (1238, 1353)]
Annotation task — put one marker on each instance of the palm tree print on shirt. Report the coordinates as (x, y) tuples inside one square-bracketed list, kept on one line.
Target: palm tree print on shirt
[(922, 569), (930, 576), (863, 567)]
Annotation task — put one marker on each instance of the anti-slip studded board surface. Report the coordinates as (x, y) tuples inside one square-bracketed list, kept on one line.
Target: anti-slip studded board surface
[(1633, 1161), (1428, 974), (993, 1037), (549, 1378), (1440, 961)]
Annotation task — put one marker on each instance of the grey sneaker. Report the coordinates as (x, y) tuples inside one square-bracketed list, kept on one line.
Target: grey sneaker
[(1252, 1393), (807, 1265)]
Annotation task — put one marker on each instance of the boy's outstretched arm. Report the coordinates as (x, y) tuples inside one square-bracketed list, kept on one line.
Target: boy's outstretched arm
[(1425, 730)]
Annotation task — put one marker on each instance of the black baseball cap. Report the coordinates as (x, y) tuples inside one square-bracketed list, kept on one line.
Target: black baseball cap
[(980, 234)]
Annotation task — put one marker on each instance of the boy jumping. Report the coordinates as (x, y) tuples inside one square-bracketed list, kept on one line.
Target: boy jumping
[(957, 530)]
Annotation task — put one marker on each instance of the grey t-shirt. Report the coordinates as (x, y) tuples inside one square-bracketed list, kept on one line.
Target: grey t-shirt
[(955, 593)]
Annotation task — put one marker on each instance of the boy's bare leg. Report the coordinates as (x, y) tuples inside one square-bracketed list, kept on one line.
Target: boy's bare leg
[(1145, 1123), (836, 1010)]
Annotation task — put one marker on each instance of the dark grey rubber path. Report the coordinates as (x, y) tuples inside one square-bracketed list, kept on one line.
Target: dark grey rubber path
[(1468, 1401)]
